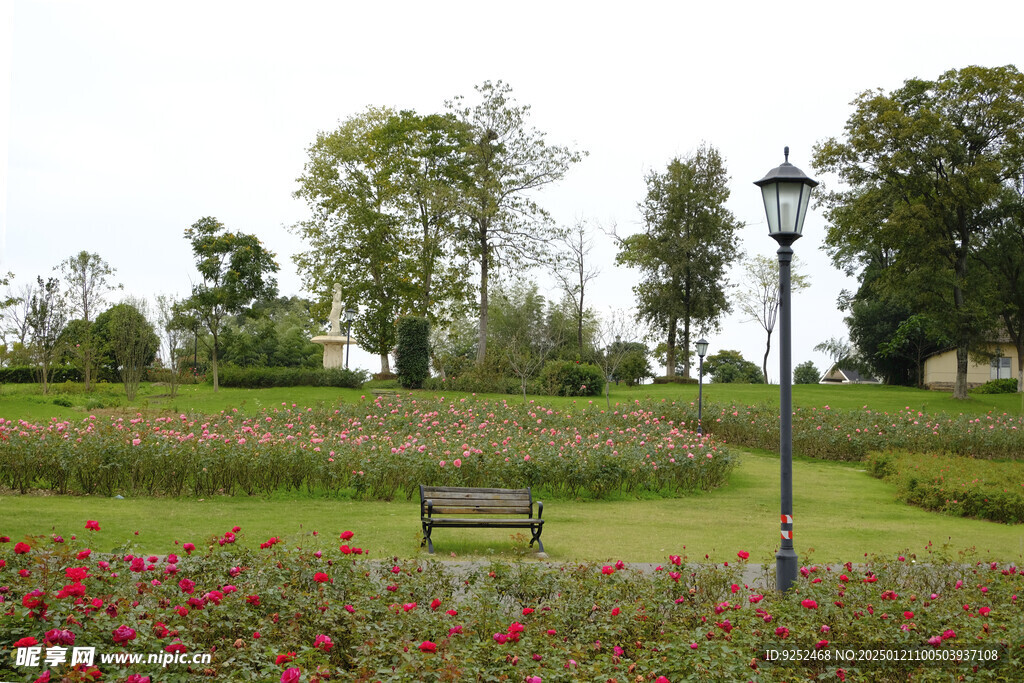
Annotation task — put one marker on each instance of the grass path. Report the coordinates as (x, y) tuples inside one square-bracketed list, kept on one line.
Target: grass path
[(840, 512)]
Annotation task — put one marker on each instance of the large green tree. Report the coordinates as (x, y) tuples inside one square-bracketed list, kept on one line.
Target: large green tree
[(688, 242), (234, 268), (125, 336), (921, 166), (506, 163), (88, 279), (383, 190)]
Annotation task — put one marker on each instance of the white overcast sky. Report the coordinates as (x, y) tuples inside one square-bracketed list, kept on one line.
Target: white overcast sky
[(124, 122)]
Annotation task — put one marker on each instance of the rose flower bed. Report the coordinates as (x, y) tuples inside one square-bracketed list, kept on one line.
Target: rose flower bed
[(286, 614), (373, 450)]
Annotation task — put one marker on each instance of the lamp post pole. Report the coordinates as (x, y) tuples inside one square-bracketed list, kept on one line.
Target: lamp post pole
[(350, 315), (786, 192), (702, 348)]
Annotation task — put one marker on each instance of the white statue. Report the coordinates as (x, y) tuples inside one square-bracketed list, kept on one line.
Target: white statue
[(336, 311)]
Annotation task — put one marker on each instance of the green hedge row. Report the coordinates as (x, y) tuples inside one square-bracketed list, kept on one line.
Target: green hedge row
[(27, 374), (260, 378)]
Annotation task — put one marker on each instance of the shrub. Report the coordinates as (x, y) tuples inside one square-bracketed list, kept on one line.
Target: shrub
[(963, 487), (571, 378), (27, 374), (383, 376), (806, 373), (263, 377), (477, 381), (997, 386), (424, 620), (676, 379), (412, 356), (727, 367)]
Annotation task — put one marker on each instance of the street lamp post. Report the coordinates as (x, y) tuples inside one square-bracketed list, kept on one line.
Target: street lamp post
[(350, 315), (786, 192), (702, 348)]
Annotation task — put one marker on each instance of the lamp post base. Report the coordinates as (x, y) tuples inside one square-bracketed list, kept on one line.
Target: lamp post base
[(786, 563)]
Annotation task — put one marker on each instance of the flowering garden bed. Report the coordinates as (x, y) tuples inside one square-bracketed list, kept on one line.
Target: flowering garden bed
[(373, 449), (282, 613)]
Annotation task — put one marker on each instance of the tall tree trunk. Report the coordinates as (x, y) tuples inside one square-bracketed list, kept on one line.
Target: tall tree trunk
[(686, 346), (964, 340), (670, 353), (385, 363), (960, 386), (481, 344), (764, 361), (213, 356)]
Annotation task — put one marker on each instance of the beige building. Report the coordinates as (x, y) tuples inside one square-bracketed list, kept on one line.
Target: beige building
[(940, 368)]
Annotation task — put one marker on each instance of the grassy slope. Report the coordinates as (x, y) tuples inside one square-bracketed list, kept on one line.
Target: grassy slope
[(841, 513)]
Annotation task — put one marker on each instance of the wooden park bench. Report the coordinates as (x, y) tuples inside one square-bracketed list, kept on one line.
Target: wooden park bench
[(453, 500)]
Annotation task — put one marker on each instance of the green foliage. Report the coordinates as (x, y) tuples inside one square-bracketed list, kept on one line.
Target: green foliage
[(729, 366), (286, 449), (689, 241), (806, 373), (127, 340), (922, 170), (235, 269), (997, 386), (964, 487), (505, 163), (515, 621), (475, 380), (26, 374), (634, 367), (676, 379), (571, 378), (262, 377), (412, 354), (273, 332)]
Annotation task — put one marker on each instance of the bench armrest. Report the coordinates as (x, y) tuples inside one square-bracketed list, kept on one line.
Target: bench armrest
[(429, 505), (540, 509)]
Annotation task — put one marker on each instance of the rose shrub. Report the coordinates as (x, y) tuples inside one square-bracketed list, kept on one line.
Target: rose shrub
[(496, 621), (375, 450)]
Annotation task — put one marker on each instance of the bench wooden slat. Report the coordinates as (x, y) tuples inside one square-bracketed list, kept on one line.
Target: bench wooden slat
[(471, 510), (487, 522), (498, 502)]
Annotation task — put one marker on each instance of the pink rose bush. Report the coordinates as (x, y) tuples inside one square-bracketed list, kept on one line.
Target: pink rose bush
[(485, 443)]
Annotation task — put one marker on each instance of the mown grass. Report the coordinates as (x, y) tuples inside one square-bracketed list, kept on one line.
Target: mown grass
[(25, 401), (841, 514)]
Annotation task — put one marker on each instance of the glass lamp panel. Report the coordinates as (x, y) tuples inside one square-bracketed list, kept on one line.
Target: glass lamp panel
[(771, 206), (790, 209), (805, 201)]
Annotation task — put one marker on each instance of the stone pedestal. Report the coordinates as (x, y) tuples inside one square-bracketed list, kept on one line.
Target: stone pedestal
[(334, 349)]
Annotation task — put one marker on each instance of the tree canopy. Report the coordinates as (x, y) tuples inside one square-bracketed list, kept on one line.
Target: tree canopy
[(688, 242), (922, 168)]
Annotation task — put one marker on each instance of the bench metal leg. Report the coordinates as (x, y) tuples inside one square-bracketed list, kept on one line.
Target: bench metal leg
[(426, 538), (536, 537)]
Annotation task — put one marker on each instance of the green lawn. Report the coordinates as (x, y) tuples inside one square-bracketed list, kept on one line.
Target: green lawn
[(841, 513), (25, 401)]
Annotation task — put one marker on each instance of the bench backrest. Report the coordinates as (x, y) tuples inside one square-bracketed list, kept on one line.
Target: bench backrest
[(453, 500)]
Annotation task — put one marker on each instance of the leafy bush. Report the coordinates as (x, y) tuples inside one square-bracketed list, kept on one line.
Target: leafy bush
[(26, 374), (263, 377), (477, 381), (963, 487), (412, 355), (676, 379), (305, 608), (571, 378), (383, 376), (806, 373), (997, 386), (726, 367)]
